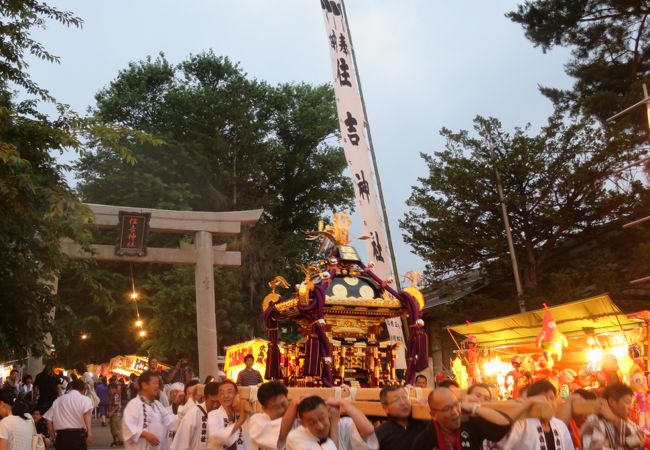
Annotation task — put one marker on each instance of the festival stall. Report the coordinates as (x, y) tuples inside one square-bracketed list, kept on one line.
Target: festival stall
[(235, 354), (126, 365), (577, 344)]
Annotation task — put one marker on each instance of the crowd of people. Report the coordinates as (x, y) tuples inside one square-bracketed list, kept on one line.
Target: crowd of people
[(175, 411)]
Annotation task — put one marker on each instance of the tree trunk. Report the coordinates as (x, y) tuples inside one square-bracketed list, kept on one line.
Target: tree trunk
[(530, 268)]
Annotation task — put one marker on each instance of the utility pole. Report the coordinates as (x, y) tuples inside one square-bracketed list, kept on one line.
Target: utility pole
[(646, 102), (506, 224)]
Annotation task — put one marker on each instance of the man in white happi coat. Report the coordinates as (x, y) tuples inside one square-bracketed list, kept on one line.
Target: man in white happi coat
[(192, 432), (537, 434), (227, 428), (316, 429), (265, 428), (146, 422)]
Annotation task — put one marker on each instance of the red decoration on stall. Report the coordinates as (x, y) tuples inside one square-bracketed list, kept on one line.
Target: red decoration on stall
[(550, 339)]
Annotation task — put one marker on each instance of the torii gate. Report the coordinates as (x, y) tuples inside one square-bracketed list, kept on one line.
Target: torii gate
[(203, 254)]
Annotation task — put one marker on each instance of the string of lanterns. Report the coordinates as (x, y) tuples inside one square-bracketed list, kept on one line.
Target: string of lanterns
[(139, 323)]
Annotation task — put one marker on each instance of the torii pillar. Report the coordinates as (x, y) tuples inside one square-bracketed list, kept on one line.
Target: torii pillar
[(203, 254)]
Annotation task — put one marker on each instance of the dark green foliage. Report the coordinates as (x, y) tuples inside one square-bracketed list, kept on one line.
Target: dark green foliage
[(224, 142), (17, 19), (558, 186), (37, 209), (610, 51), (36, 206)]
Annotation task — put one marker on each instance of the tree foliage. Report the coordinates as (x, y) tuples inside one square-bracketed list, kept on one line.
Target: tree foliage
[(610, 51), (225, 142), (17, 20), (38, 207), (558, 186)]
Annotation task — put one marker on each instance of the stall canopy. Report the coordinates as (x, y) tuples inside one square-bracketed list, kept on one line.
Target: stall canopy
[(596, 315)]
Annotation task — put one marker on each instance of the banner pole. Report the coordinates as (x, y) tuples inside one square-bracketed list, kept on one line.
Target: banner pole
[(372, 153)]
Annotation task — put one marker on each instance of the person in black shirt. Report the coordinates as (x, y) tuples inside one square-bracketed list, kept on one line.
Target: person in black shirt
[(400, 430), (47, 387), (448, 432)]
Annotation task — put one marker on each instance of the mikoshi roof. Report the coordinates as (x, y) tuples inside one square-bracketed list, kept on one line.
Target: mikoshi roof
[(595, 315)]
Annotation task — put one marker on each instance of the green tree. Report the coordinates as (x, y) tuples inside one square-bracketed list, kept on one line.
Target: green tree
[(228, 142), (558, 185), (19, 18), (37, 206), (610, 51)]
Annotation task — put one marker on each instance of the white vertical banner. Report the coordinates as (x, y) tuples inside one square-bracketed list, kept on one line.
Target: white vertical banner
[(396, 334), (352, 123)]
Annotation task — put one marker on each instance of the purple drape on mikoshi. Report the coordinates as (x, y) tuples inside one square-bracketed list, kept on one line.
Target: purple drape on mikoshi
[(417, 348), (271, 318), (317, 347)]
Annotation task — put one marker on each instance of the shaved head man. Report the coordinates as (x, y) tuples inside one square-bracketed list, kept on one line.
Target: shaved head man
[(448, 431)]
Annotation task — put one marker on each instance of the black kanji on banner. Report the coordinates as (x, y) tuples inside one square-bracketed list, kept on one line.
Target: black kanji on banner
[(333, 40), (331, 6), (351, 124), (343, 44), (377, 250), (363, 185), (342, 72), (132, 233)]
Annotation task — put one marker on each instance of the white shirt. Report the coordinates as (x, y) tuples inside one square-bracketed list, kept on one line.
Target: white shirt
[(68, 411), (189, 433), (17, 432), (527, 437), (349, 439), (264, 432), (220, 433), (142, 416), (188, 406)]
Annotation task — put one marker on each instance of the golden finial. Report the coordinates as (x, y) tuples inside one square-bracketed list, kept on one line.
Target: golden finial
[(337, 233), (273, 296)]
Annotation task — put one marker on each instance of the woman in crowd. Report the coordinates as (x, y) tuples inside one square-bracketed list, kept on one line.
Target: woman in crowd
[(16, 431)]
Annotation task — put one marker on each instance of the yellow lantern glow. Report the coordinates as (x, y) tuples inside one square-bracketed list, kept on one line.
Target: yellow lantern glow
[(594, 355)]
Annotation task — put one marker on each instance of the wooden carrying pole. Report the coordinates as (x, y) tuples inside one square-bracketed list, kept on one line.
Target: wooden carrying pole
[(367, 401)]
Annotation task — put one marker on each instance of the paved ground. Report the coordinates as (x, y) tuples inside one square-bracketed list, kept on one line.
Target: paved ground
[(101, 436)]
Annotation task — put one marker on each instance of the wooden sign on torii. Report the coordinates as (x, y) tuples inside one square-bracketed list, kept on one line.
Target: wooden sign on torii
[(202, 253)]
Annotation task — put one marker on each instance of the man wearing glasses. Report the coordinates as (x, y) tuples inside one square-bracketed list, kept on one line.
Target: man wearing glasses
[(400, 430), (448, 432)]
